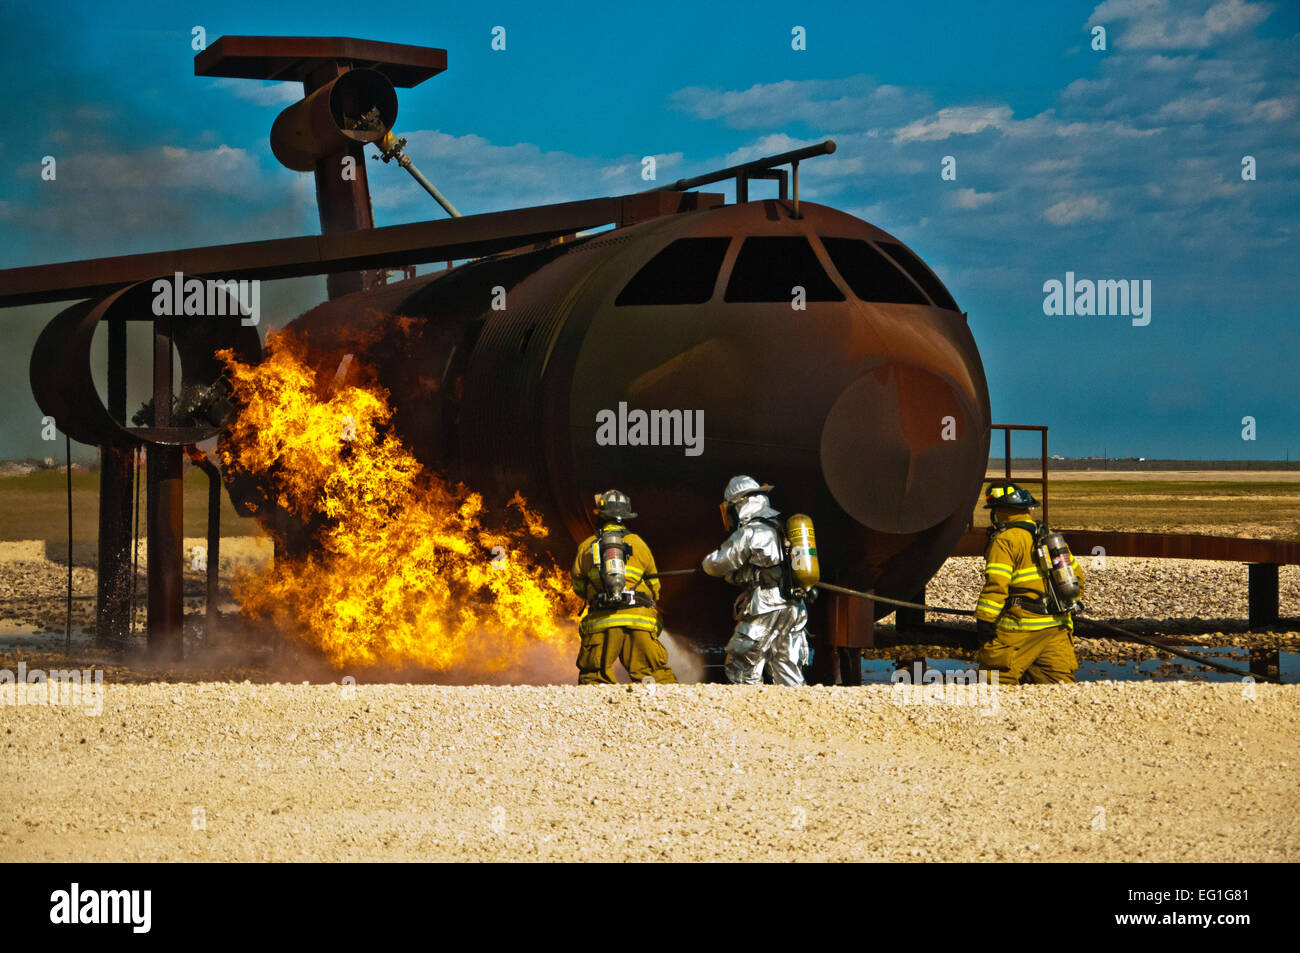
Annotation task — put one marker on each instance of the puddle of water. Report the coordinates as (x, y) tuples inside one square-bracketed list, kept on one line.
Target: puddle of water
[(879, 671)]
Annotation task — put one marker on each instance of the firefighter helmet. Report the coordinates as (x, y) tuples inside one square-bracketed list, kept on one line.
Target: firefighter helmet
[(1010, 495), (614, 505), (733, 506), (739, 487)]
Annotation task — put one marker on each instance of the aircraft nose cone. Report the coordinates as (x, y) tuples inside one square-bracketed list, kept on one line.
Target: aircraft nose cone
[(900, 448)]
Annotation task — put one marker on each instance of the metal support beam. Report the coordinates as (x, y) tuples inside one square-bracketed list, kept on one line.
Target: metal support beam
[(779, 176), (166, 503), (1261, 594), (393, 246), (1266, 663), (1160, 546), (843, 626), (850, 621), (113, 588), (1044, 478), (343, 203), (1041, 479), (200, 460), (824, 662), (850, 665), (165, 552), (905, 618)]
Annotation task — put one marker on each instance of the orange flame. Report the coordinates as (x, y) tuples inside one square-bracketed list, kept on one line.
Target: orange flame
[(403, 569)]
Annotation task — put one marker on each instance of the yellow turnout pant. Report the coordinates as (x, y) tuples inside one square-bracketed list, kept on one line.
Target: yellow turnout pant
[(1036, 657), (640, 651)]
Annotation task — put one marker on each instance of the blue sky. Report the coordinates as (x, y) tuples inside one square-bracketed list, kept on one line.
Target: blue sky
[(1118, 164)]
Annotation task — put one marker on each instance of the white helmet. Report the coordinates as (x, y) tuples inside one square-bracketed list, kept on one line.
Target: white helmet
[(739, 487), (745, 499)]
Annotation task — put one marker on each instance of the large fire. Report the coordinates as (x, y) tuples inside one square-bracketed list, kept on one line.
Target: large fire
[(403, 568)]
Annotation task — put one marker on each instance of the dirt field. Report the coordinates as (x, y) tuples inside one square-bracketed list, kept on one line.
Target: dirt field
[(1238, 502), (1183, 476), (1264, 505), (35, 506), (1101, 771)]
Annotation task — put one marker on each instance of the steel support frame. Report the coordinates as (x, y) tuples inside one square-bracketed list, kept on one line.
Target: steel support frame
[(116, 472), (1041, 479), (1262, 596), (166, 497)]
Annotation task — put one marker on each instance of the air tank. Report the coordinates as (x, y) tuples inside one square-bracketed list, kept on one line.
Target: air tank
[(805, 567)]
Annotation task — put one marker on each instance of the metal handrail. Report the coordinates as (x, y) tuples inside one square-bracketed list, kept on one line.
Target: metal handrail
[(1006, 458), (764, 168)]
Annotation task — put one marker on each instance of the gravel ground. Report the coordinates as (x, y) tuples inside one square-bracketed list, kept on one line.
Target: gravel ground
[(213, 771), (1171, 595), (1124, 587), (1198, 601)]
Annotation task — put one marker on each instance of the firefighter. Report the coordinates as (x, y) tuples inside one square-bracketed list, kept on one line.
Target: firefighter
[(770, 624), (1021, 638), (622, 619)]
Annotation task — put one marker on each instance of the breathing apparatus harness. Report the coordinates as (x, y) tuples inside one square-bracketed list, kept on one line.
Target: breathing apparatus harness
[(778, 575), (610, 552), (1052, 556)]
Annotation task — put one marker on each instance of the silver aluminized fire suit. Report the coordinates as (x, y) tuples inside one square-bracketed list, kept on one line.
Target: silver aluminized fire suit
[(770, 629)]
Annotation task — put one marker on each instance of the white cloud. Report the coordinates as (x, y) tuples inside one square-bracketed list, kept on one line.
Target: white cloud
[(1083, 208), (869, 213), (1192, 109), (259, 92), (847, 103), (1161, 25), (969, 198), (954, 121), (1085, 88), (1048, 166), (1159, 63), (1274, 110), (224, 170), (997, 276)]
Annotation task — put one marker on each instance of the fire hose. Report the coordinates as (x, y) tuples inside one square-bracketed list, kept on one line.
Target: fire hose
[(1230, 670)]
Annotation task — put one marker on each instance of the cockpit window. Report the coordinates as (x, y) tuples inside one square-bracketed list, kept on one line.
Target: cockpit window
[(768, 268), (683, 273), (921, 274), (871, 275)]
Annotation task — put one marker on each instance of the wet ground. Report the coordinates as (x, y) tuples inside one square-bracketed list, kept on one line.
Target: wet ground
[(880, 671)]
